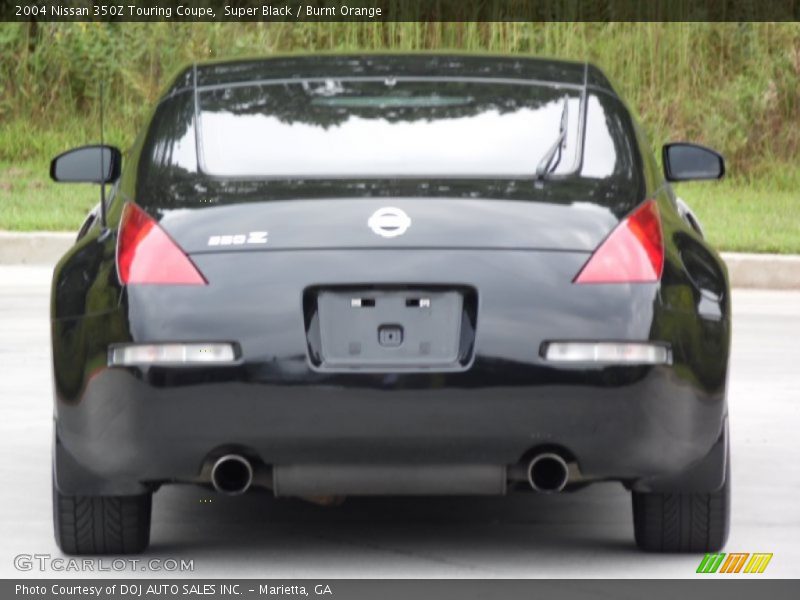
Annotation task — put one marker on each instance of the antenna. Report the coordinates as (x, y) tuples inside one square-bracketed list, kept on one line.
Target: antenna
[(102, 156)]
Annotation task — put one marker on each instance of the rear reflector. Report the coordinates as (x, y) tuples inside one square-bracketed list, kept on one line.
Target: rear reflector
[(171, 354), (146, 254), (620, 353), (632, 253)]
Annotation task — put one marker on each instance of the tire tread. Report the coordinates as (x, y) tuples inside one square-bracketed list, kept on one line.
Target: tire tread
[(101, 524), (682, 522)]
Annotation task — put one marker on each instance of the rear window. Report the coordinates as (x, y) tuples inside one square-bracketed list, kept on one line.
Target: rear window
[(335, 130), (358, 128)]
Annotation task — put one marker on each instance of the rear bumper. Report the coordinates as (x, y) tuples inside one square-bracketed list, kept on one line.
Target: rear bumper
[(131, 431)]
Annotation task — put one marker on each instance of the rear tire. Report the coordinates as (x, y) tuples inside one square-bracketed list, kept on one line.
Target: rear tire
[(683, 522), (101, 524)]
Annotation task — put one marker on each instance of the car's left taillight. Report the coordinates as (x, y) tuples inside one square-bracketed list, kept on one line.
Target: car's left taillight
[(147, 255), (632, 253)]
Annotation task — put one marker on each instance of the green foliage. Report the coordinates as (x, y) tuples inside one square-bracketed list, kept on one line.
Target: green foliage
[(760, 216), (732, 86), (735, 86)]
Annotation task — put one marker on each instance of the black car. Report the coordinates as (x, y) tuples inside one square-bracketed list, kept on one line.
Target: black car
[(384, 275)]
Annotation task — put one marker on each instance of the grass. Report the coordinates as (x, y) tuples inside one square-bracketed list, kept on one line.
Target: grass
[(732, 86), (762, 215), (747, 216), (31, 202)]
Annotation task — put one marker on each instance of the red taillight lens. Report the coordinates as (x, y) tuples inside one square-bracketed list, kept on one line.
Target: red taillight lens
[(633, 253), (146, 254)]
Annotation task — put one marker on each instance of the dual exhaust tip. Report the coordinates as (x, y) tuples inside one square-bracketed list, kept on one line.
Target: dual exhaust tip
[(548, 473), (232, 474)]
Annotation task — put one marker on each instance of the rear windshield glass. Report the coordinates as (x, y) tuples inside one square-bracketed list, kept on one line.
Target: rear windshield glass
[(347, 128)]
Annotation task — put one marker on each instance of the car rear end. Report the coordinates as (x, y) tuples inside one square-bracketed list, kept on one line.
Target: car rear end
[(322, 324)]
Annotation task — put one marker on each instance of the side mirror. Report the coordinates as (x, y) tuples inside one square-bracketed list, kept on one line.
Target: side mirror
[(87, 164), (689, 162)]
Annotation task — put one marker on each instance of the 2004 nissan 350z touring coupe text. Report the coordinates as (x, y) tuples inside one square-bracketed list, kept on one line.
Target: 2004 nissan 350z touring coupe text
[(390, 274)]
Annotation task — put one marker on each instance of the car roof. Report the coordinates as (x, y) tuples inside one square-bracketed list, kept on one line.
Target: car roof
[(445, 65)]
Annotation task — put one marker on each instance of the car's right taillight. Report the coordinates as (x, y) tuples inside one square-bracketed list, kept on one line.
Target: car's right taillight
[(147, 255), (632, 253)]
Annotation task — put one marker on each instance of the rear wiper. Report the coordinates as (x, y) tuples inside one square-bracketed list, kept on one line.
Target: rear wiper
[(552, 157)]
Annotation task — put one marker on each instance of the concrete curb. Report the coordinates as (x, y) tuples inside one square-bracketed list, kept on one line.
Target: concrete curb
[(36, 248), (765, 271)]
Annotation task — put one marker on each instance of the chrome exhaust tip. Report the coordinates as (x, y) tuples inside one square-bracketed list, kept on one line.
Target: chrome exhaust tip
[(232, 474), (548, 473)]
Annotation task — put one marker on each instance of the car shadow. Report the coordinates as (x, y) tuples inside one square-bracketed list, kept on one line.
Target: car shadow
[(399, 536)]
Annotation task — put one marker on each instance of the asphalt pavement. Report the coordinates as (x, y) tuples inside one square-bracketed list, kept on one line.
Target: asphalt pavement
[(583, 534)]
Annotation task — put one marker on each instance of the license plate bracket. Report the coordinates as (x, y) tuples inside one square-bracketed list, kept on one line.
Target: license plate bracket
[(390, 329)]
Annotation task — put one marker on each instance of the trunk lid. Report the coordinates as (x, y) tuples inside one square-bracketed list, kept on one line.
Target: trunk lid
[(390, 223)]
